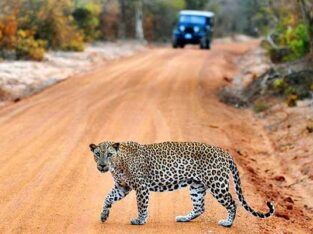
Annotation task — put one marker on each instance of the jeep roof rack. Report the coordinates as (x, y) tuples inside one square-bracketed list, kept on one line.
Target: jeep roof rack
[(199, 13)]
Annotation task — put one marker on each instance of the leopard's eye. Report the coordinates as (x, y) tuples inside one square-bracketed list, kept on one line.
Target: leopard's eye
[(98, 154), (109, 154)]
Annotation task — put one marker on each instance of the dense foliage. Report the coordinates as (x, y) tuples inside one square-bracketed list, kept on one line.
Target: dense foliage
[(29, 27), (292, 45), (291, 32), (87, 18)]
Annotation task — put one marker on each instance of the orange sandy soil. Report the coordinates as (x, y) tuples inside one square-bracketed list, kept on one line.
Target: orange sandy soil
[(290, 131), (48, 178)]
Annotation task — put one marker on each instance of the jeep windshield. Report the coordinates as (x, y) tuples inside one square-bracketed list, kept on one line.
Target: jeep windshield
[(192, 19)]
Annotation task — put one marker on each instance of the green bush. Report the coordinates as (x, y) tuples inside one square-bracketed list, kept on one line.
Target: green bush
[(290, 90), (293, 40), (29, 48), (298, 41), (52, 21), (38, 25), (299, 91), (57, 27), (19, 44), (74, 43), (87, 18), (299, 84), (279, 84)]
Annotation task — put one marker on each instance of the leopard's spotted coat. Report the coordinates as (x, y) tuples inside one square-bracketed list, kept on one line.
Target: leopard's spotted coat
[(169, 166)]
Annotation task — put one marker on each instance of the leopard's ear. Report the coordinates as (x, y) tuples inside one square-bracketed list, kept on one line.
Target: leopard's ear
[(116, 146), (92, 147)]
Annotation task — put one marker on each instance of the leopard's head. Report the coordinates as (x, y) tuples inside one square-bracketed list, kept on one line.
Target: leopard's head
[(103, 153)]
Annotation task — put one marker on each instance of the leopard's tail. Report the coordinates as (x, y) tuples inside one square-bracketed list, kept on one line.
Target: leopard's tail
[(241, 198)]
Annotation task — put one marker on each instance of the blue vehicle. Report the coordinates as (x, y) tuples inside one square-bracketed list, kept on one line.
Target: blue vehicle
[(194, 27)]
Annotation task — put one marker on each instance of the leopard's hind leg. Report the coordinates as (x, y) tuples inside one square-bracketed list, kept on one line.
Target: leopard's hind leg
[(197, 193), (220, 191), (227, 201)]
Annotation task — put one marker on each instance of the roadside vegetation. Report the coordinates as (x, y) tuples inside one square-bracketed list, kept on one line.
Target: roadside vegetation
[(288, 45), (290, 48), (295, 37), (30, 27)]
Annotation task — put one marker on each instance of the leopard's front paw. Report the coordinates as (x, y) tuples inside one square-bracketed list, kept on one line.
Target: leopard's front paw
[(104, 215), (138, 221)]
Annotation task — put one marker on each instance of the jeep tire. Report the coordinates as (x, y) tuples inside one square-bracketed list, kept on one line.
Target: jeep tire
[(205, 44)]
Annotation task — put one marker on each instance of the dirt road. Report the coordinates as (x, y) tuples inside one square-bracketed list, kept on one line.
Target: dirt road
[(48, 179)]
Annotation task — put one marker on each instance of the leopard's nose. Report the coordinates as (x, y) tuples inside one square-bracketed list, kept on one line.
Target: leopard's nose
[(102, 166)]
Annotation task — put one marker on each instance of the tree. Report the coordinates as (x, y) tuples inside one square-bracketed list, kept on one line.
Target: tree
[(160, 18), (139, 33), (122, 20), (196, 4)]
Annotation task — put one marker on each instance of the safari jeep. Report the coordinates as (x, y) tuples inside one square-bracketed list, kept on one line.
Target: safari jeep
[(194, 27)]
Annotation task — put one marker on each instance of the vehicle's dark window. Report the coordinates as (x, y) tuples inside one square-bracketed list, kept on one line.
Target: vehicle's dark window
[(192, 19), (209, 21)]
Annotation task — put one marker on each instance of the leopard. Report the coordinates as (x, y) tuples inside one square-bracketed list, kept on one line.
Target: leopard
[(168, 166)]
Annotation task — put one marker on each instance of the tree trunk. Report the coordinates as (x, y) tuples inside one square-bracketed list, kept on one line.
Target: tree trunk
[(122, 20), (139, 21)]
